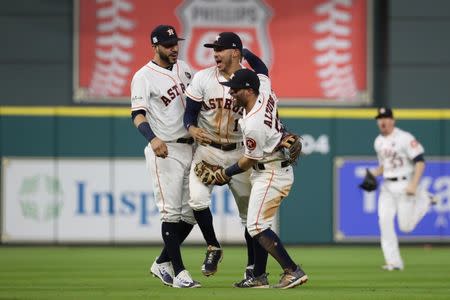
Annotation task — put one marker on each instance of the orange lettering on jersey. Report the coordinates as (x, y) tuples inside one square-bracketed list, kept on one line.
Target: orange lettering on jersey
[(414, 143), (165, 100), (227, 104), (268, 116), (212, 104), (219, 102)]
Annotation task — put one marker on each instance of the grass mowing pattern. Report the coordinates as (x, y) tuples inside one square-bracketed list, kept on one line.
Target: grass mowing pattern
[(335, 272)]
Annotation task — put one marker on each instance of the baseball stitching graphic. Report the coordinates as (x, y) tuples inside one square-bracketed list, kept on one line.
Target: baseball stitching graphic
[(334, 59), (113, 56)]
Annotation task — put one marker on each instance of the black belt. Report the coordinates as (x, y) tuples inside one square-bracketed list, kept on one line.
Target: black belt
[(224, 147), (189, 141), (396, 178), (260, 166)]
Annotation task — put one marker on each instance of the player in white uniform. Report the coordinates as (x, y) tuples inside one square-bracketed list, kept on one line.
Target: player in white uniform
[(212, 119), (401, 162), (158, 105), (272, 176)]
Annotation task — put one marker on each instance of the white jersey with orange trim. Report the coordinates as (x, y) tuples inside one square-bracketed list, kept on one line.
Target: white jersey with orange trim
[(272, 177), (396, 152), (159, 92), (219, 118), (219, 115), (261, 127)]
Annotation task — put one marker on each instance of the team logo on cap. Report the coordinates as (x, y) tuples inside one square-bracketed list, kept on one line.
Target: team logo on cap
[(250, 143), (170, 31), (204, 20), (382, 110)]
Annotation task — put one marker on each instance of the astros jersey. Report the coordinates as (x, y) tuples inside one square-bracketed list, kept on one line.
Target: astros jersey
[(218, 115), (261, 126), (396, 151), (159, 92)]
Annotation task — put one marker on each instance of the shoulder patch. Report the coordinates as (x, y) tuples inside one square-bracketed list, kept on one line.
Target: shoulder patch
[(250, 143), (414, 143)]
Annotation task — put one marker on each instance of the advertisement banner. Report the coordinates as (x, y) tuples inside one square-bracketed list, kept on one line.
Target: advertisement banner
[(316, 50), (93, 200), (356, 211)]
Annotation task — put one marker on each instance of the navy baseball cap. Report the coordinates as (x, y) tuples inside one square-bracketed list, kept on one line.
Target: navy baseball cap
[(226, 40), (164, 35), (243, 79), (384, 112)]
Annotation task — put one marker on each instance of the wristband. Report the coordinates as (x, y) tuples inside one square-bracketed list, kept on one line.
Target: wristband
[(233, 170), (146, 131)]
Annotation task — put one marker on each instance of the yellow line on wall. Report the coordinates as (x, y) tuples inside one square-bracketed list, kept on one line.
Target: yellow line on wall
[(285, 112)]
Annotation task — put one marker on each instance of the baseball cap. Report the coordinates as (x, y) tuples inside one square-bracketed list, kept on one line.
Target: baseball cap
[(243, 79), (384, 112), (226, 40), (164, 35)]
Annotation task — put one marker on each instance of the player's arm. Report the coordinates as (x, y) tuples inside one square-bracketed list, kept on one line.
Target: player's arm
[(190, 121), (378, 171), (242, 165), (419, 168), (141, 123), (255, 62)]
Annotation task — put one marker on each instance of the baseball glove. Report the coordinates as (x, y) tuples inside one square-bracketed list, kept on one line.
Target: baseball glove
[(369, 183), (293, 145), (211, 174)]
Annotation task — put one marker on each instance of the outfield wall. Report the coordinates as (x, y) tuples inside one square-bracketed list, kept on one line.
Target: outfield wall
[(64, 140)]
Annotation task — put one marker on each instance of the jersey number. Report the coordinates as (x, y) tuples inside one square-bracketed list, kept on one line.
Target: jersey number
[(236, 125), (396, 162)]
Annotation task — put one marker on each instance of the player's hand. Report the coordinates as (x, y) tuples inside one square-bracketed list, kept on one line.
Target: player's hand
[(159, 148), (411, 190), (199, 135)]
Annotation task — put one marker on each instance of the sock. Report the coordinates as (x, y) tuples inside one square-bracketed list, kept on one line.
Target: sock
[(183, 231), (261, 256), (171, 239), (205, 222), (272, 243), (250, 245)]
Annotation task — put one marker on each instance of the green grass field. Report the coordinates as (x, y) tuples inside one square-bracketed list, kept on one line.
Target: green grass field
[(335, 272)]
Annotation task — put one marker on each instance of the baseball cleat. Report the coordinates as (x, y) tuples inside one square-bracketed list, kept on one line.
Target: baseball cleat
[(249, 272), (213, 257), (389, 267), (184, 280), (163, 271), (290, 279), (259, 282)]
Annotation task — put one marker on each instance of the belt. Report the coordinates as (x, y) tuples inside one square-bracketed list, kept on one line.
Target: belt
[(189, 141), (224, 147), (260, 166), (396, 178)]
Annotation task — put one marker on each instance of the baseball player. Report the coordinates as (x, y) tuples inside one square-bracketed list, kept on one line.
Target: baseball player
[(212, 119), (157, 105), (401, 162), (272, 176)]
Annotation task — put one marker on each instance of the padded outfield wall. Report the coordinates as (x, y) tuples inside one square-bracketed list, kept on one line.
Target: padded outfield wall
[(59, 145)]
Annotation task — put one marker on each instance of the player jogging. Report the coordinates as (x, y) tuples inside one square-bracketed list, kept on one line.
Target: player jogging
[(401, 162)]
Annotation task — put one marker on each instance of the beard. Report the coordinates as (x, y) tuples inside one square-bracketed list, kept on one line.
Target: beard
[(167, 58)]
